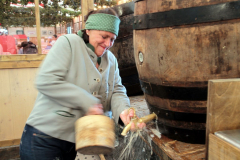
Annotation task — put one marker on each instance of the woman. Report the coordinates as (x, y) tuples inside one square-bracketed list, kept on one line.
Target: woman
[(79, 76), (28, 48)]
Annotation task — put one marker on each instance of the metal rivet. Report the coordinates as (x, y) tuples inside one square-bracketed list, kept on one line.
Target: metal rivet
[(94, 93), (135, 21), (139, 21)]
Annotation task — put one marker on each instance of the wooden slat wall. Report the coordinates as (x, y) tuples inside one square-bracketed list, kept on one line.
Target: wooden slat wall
[(17, 91), (17, 97)]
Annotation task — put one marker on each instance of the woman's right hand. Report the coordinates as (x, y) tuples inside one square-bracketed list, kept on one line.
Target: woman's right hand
[(96, 109)]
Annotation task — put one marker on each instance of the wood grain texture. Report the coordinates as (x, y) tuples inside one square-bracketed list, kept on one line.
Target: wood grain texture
[(17, 98), (222, 150), (166, 5), (187, 53), (94, 134), (169, 149), (38, 26), (20, 64), (87, 6), (9, 153), (32, 57), (21, 61), (12, 142), (223, 103)]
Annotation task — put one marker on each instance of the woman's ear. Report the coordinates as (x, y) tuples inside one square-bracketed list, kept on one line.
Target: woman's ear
[(87, 32)]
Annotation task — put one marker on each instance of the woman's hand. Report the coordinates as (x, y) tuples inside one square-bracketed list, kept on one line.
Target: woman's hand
[(126, 116), (96, 109)]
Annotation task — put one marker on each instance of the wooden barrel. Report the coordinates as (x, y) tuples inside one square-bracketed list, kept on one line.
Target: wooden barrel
[(95, 134), (123, 49), (178, 46)]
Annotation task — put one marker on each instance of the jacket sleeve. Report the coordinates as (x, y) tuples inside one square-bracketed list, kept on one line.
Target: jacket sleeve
[(120, 100), (51, 79)]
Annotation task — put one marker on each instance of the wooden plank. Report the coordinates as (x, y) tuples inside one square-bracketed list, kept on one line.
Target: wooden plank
[(21, 61), (23, 95), (10, 153), (17, 98), (20, 64), (222, 150), (6, 125), (223, 109), (11, 142), (38, 26), (87, 6), (223, 105), (33, 57), (169, 149), (166, 5)]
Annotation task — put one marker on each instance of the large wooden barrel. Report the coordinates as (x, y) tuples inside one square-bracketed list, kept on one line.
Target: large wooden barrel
[(123, 49), (178, 46)]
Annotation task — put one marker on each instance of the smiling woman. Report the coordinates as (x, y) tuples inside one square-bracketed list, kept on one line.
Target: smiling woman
[(101, 40), (79, 77)]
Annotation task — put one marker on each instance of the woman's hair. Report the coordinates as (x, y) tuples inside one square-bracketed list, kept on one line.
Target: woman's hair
[(19, 45), (24, 44), (106, 11)]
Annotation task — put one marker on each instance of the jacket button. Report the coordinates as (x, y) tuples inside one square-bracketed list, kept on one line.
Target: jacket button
[(94, 93), (100, 70), (98, 80)]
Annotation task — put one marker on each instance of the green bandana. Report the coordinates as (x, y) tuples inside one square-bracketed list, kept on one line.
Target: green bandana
[(103, 22)]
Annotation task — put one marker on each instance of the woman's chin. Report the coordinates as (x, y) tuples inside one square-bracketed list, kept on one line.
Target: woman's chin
[(99, 54)]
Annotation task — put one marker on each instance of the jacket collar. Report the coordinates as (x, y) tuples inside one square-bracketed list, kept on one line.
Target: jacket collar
[(80, 33)]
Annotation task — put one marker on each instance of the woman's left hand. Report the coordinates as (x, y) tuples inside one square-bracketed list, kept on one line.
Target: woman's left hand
[(126, 116)]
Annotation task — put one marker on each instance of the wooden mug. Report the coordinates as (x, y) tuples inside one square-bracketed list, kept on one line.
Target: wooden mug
[(95, 134)]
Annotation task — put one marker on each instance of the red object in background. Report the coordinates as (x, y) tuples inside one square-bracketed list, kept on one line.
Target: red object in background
[(20, 36), (8, 44), (0, 24)]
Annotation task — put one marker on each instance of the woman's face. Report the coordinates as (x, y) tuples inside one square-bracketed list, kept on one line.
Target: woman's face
[(101, 40)]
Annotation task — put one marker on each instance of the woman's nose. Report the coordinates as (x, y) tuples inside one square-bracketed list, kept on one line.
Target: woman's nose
[(108, 42)]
